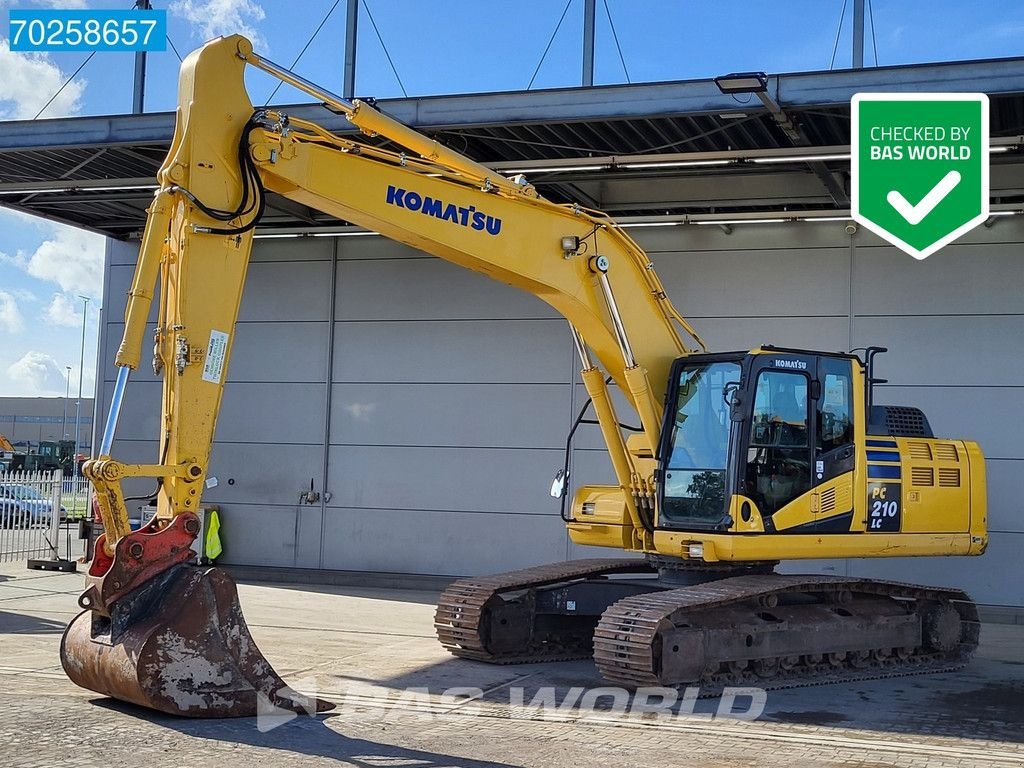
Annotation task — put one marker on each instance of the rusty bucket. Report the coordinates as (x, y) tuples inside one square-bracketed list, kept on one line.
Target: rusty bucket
[(179, 644)]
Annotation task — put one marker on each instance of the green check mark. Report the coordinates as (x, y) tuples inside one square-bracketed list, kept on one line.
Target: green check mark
[(915, 214)]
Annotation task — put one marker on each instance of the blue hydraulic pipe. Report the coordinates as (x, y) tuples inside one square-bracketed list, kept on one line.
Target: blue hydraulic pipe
[(115, 410)]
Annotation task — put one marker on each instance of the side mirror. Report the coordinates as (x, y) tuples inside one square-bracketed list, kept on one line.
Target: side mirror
[(558, 484), (734, 399)]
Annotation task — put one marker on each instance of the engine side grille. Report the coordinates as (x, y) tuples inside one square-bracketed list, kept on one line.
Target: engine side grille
[(922, 476), (919, 450), (949, 477)]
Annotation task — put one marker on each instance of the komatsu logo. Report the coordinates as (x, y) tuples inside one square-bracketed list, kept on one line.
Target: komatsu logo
[(798, 365), (432, 206)]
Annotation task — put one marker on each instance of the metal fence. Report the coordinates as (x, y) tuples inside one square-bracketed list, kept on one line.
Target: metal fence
[(39, 514)]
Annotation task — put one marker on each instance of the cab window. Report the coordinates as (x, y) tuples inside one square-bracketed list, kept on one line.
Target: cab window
[(835, 425), (698, 449), (779, 453)]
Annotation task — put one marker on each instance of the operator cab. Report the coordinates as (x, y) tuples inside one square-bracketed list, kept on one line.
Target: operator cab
[(768, 425)]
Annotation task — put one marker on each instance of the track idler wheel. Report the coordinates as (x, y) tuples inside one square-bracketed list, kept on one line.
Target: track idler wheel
[(179, 644), (941, 627)]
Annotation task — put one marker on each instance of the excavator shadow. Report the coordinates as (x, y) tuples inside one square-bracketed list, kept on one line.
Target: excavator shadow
[(12, 623), (985, 701), (495, 680), (375, 591), (303, 735)]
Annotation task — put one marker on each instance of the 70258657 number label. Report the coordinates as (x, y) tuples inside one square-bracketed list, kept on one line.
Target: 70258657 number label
[(87, 30)]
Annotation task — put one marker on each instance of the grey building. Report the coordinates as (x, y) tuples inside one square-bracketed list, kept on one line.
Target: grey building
[(34, 419), (430, 405)]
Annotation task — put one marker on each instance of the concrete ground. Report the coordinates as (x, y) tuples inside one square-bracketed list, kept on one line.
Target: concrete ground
[(373, 652)]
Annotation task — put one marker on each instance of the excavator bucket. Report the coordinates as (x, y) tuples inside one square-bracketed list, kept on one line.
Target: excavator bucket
[(179, 644)]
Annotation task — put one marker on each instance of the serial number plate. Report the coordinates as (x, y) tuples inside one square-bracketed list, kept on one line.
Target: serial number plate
[(88, 30)]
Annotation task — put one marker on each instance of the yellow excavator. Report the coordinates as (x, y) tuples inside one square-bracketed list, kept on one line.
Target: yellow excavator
[(740, 460)]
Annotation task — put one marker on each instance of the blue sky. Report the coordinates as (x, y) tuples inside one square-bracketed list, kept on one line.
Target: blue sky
[(445, 46)]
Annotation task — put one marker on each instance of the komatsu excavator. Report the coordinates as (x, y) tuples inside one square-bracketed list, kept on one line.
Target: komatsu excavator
[(741, 460)]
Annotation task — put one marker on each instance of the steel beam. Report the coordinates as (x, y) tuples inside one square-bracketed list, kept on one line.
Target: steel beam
[(589, 22), (608, 102), (348, 89), (65, 185), (139, 89), (858, 34)]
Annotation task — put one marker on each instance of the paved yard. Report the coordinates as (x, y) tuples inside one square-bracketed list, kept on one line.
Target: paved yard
[(373, 653)]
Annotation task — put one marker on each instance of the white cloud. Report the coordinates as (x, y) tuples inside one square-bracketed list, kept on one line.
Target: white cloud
[(222, 17), (10, 316), (17, 260), (38, 374), (28, 82), (71, 258), (61, 311)]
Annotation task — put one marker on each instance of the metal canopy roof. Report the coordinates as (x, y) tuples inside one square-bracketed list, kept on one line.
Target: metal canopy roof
[(81, 170)]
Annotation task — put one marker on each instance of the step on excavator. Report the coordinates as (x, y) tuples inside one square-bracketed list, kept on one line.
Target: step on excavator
[(740, 460)]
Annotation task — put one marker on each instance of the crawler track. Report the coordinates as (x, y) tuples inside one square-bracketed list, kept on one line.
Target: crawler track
[(780, 631), (765, 630), (474, 620)]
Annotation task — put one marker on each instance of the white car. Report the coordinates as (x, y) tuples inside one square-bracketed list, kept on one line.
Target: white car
[(24, 506)]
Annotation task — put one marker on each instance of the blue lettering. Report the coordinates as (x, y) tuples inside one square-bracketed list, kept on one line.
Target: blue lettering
[(395, 196), (467, 216), (431, 207)]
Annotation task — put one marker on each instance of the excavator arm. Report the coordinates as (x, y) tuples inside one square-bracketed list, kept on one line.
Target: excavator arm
[(224, 158)]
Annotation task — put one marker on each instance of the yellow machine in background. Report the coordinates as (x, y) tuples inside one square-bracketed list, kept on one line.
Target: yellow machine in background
[(742, 459)]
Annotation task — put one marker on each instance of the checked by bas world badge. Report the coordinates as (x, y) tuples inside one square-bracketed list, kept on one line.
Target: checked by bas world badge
[(919, 164)]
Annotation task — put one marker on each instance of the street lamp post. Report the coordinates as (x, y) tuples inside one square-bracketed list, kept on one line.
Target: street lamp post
[(81, 371), (67, 394), (95, 399)]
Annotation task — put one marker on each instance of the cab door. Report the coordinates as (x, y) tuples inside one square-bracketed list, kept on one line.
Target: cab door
[(799, 441), (832, 499), (834, 415), (780, 433)]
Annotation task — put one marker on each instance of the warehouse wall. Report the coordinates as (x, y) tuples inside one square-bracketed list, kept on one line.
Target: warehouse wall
[(35, 419), (449, 396)]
